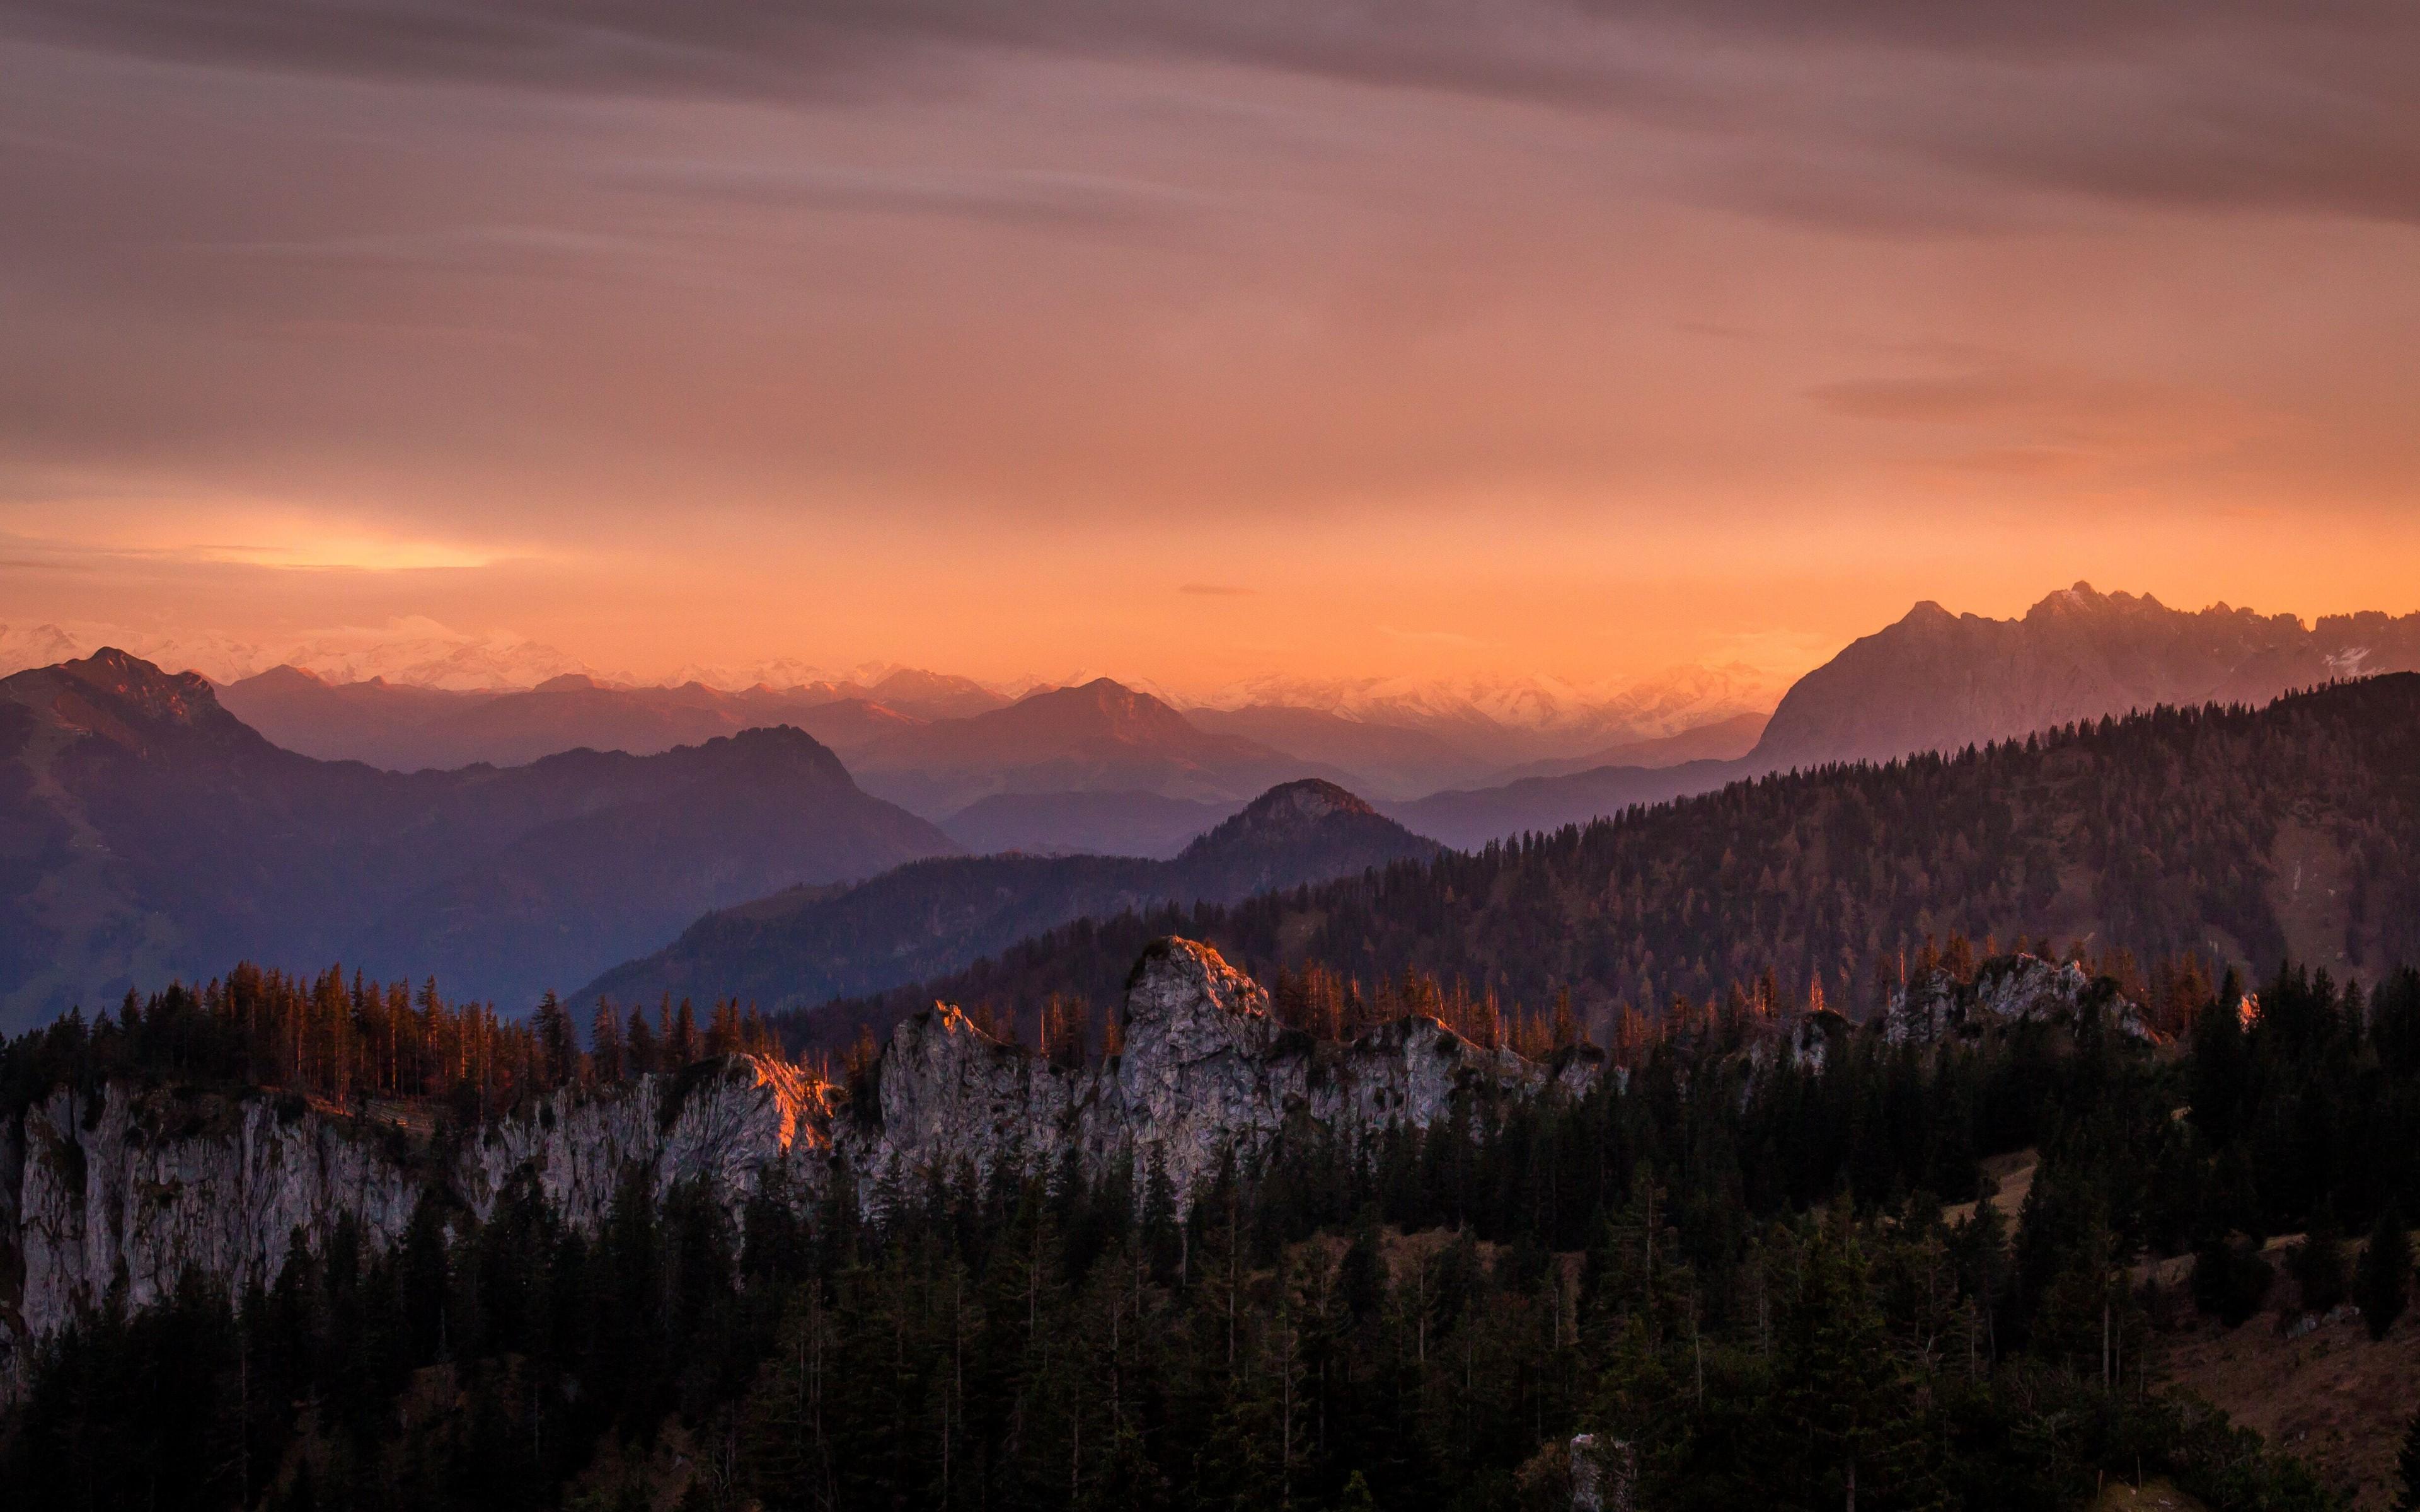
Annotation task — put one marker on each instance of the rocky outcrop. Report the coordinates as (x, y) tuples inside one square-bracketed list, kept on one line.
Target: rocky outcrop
[(125, 1191), (2010, 990), (1205, 1072)]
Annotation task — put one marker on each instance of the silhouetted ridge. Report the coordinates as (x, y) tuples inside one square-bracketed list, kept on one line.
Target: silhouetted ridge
[(148, 833), (2251, 834), (811, 944)]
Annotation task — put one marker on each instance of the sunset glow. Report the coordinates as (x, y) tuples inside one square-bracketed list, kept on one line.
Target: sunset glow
[(1119, 340)]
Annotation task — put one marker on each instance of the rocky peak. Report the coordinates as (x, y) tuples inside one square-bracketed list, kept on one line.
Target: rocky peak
[(143, 1184), (126, 701), (1206, 1072), (140, 688), (1182, 986), (779, 752), (286, 678)]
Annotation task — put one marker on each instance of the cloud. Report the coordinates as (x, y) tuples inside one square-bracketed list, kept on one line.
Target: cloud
[(2226, 102), (1015, 197)]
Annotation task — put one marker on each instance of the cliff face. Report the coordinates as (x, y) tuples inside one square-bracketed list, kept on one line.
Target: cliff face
[(1205, 1069), (2019, 989), (133, 1188)]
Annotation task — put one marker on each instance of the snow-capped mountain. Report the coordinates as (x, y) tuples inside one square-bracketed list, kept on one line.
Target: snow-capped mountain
[(219, 657), (418, 652), (434, 658), (35, 645), (1522, 717)]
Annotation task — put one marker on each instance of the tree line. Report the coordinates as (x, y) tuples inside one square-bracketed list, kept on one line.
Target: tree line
[(347, 1039)]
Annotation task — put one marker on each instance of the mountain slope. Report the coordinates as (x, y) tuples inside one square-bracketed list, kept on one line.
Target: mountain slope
[(1084, 824), (146, 832), (1723, 740), (2242, 834), (811, 944), (1471, 817)]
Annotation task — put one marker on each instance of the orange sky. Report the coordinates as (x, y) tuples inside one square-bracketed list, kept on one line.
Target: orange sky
[(1189, 343)]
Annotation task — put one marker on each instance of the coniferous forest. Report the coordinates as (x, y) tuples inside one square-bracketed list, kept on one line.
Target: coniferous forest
[(1735, 1271)]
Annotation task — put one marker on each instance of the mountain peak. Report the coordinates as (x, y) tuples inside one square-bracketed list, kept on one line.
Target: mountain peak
[(179, 698), (128, 702), (1309, 815), (568, 683), (286, 676), (1310, 799)]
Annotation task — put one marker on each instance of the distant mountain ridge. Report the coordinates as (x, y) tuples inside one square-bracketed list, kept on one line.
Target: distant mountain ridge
[(414, 653), (1100, 735), (146, 832), (1118, 822), (807, 945), (2247, 835), (1938, 681), (406, 728), (1507, 720), (1934, 681)]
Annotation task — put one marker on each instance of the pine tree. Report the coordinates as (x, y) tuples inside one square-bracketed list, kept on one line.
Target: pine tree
[(2406, 1465), (2383, 1278)]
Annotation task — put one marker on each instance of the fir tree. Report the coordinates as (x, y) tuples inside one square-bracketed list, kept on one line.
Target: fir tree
[(2382, 1285)]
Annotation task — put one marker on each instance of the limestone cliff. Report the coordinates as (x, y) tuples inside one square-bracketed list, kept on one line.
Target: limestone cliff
[(130, 1188), (1205, 1070), (2012, 990)]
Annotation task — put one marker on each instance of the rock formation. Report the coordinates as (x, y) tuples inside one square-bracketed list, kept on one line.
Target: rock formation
[(1206, 1070), (130, 1188), (2011, 990)]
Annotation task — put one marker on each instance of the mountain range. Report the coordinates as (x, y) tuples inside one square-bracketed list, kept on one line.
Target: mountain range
[(1101, 736), (809, 944), (149, 830), (2244, 835), (148, 833), (1934, 681), (407, 728), (1510, 720), (1938, 681)]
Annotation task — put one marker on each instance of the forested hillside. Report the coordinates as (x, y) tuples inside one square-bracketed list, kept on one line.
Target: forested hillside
[(2233, 833), (1733, 1271)]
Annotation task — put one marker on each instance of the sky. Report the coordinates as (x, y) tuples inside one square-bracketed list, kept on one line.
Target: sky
[(1200, 341)]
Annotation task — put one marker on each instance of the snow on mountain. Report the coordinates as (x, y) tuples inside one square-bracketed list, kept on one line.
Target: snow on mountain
[(219, 657), (419, 652), (35, 645), (1524, 709), (435, 658), (735, 677)]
